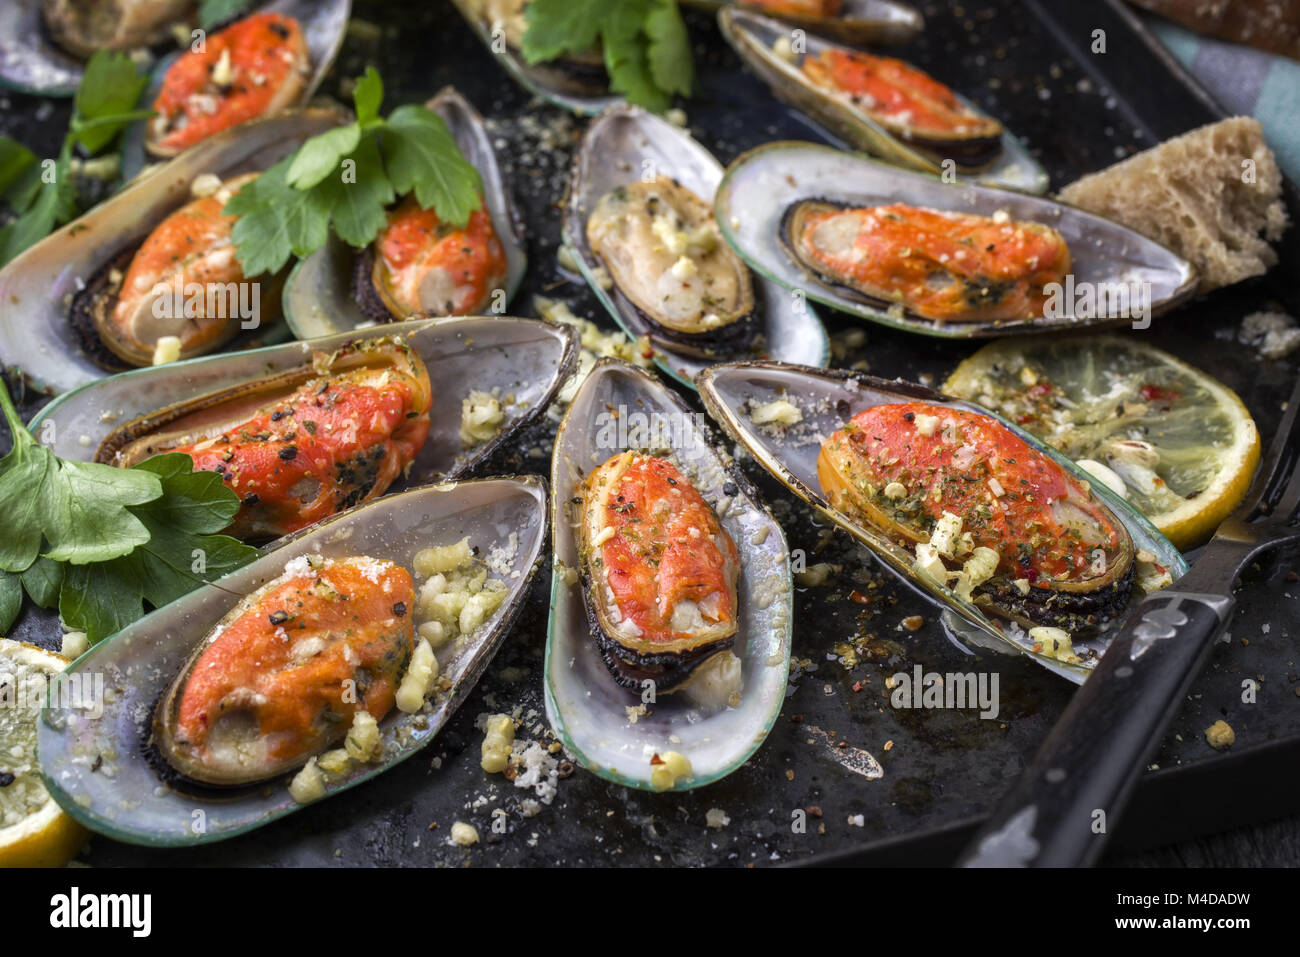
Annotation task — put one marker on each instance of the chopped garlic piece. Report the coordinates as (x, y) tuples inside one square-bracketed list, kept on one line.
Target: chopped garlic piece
[(670, 767), (464, 834), (778, 412), (684, 269), (1055, 642), (481, 415), (308, 784), (363, 742), (946, 531), (166, 349), (498, 737), (895, 490), (417, 681)]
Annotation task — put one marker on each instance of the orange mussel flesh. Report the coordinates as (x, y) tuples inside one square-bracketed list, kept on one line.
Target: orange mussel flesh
[(944, 266), (1063, 557), (281, 678), (660, 571), (253, 68)]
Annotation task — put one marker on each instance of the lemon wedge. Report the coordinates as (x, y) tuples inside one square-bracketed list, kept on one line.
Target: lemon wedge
[(1174, 442), (34, 831)]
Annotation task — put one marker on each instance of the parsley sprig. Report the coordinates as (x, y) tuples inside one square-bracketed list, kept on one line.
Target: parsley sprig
[(42, 196), (98, 542), (344, 178), (647, 50)]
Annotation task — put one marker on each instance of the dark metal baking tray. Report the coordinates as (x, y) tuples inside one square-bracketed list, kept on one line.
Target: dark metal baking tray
[(1028, 62)]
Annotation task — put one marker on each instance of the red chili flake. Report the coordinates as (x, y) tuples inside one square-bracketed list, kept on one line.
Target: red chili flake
[(655, 759), (859, 597), (1042, 389), (1154, 393)]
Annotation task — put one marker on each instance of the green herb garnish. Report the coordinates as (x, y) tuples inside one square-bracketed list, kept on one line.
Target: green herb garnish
[(97, 542), (345, 178), (41, 194), (646, 48)]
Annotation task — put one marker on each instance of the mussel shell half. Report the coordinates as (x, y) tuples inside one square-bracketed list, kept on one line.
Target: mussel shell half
[(859, 21), (331, 290), (577, 84), (613, 153), (761, 186), (524, 358), (135, 804), (324, 24), (827, 399), (752, 35), (36, 288), (586, 707)]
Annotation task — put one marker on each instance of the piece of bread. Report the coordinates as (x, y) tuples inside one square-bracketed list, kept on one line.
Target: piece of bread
[(1194, 194), (1272, 25)]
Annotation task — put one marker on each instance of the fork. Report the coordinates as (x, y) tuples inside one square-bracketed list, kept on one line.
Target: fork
[(1067, 802)]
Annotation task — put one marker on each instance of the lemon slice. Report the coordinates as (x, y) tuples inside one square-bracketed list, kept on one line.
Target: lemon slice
[(1175, 443), (34, 831)]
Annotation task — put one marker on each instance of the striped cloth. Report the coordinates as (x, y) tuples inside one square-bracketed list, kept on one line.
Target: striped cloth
[(1246, 82)]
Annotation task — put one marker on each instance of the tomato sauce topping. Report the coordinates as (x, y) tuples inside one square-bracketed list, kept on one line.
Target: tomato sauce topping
[(290, 658), (667, 547), (241, 73), (416, 248), (1010, 497), (333, 443), (940, 265), (897, 92)]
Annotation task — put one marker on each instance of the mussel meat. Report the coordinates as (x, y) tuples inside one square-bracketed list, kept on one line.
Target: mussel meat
[(302, 444), (419, 265), (662, 249), (1031, 542), (282, 676), (255, 67), (183, 281), (659, 572), (940, 265), (907, 102), (83, 27)]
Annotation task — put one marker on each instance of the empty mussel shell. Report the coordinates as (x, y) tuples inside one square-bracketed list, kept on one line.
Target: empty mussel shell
[(320, 293), (826, 400), (996, 159), (629, 148), (95, 745), (615, 732), (761, 188)]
